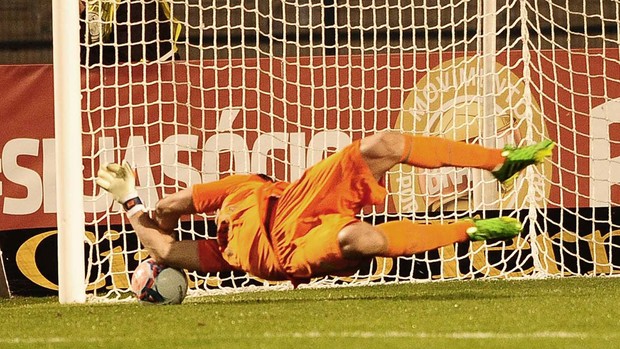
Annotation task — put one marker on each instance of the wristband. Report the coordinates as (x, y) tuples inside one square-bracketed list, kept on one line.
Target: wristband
[(133, 206)]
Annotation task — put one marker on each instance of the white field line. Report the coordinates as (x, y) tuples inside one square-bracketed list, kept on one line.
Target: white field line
[(349, 335), (48, 340), (431, 335)]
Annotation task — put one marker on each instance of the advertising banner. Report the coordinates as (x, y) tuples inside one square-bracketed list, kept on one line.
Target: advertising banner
[(182, 123)]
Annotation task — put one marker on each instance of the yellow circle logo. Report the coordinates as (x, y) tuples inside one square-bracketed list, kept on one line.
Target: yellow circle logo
[(448, 102)]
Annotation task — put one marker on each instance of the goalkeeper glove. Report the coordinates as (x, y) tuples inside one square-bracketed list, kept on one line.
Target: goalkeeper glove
[(120, 181)]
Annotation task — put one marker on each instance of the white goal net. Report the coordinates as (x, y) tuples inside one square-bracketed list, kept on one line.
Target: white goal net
[(192, 91)]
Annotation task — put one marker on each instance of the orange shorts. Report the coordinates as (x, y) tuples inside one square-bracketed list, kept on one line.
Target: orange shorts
[(311, 212)]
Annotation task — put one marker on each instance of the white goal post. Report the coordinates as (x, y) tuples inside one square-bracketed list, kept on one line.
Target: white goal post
[(68, 133), (243, 86)]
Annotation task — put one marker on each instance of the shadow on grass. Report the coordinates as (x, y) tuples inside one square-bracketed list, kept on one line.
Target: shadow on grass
[(355, 296)]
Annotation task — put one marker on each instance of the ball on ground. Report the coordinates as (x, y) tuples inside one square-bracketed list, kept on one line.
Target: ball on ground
[(155, 283)]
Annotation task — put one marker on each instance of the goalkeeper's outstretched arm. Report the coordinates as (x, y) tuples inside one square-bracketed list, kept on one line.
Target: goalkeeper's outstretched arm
[(155, 234), (162, 245)]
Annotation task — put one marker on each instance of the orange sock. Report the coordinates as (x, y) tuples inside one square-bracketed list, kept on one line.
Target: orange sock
[(405, 238), (434, 152)]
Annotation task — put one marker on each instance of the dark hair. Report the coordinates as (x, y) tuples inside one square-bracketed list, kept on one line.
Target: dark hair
[(265, 177)]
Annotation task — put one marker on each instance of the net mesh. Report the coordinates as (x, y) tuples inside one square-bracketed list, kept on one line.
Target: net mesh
[(193, 91)]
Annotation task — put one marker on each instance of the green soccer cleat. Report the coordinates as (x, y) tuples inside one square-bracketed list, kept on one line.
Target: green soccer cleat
[(519, 158), (494, 228)]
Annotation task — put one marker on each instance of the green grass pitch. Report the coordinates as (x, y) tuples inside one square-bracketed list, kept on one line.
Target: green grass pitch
[(554, 313)]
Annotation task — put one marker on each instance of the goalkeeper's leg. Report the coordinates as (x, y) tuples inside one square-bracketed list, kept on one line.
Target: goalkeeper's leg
[(384, 150), (406, 238)]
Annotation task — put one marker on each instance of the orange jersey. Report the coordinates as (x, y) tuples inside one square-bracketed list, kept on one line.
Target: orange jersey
[(308, 215), (241, 204)]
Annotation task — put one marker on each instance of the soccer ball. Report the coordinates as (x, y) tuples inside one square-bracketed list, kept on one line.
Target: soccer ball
[(158, 284)]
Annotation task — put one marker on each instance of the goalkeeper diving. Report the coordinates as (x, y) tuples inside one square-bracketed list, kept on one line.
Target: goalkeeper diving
[(309, 228)]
